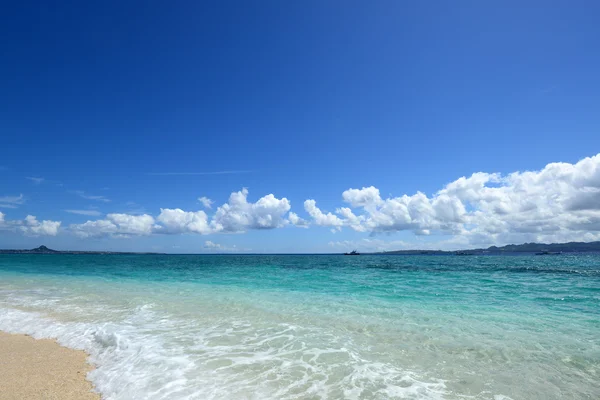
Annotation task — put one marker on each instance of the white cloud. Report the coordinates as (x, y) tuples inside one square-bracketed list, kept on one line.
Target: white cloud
[(86, 196), (30, 226), (11, 201), (354, 221), (297, 221), (179, 221), (119, 225), (210, 245), (91, 213), (561, 202), (206, 202), (97, 228), (362, 197), (35, 180), (321, 218), (237, 215), (33, 227), (132, 224)]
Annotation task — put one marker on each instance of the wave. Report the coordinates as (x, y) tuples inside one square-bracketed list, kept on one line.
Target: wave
[(148, 355)]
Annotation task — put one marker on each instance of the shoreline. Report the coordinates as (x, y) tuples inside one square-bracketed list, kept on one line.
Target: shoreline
[(42, 369)]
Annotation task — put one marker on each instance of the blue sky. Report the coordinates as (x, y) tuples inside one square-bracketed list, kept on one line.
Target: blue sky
[(129, 108)]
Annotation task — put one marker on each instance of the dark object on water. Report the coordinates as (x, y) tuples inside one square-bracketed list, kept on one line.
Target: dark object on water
[(463, 253), (352, 253), (549, 253)]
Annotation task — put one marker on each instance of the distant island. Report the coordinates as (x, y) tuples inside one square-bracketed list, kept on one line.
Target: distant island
[(533, 248), (46, 250), (541, 248)]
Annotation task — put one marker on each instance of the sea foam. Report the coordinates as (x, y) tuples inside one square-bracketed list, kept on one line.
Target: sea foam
[(150, 357)]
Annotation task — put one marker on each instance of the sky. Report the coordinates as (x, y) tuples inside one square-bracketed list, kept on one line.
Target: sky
[(271, 126)]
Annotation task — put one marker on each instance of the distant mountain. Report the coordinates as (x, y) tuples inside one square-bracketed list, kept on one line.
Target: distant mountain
[(571, 247), (45, 250)]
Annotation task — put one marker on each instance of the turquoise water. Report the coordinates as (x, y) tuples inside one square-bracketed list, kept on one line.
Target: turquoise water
[(317, 327)]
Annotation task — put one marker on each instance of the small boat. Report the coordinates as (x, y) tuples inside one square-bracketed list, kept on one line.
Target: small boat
[(548, 253), (352, 253)]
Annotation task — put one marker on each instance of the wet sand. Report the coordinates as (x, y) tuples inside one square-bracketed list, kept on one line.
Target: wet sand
[(41, 369)]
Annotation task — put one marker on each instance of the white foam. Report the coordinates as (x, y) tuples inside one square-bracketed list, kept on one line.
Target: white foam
[(154, 357), (129, 361)]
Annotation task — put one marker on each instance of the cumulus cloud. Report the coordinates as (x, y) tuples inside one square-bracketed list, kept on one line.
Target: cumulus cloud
[(297, 221), (211, 245), (33, 227), (206, 202), (354, 221), (179, 221), (237, 215), (557, 203), (320, 218), (119, 225), (97, 228), (560, 202), (362, 197), (30, 226)]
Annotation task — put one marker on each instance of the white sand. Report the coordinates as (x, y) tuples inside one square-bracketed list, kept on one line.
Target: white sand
[(41, 369)]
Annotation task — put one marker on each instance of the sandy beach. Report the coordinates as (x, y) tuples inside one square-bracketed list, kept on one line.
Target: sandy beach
[(42, 369)]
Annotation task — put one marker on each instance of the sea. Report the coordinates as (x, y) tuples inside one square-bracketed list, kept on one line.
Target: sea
[(317, 326)]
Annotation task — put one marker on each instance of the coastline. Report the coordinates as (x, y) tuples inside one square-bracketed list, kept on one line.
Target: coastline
[(42, 369)]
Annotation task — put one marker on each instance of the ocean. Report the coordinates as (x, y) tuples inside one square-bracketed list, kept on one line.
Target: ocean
[(317, 327)]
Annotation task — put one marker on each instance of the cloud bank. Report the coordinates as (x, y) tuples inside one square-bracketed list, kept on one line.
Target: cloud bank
[(560, 202), (236, 216)]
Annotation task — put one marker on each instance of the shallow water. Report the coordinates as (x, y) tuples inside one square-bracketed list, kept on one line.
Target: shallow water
[(317, 327)]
